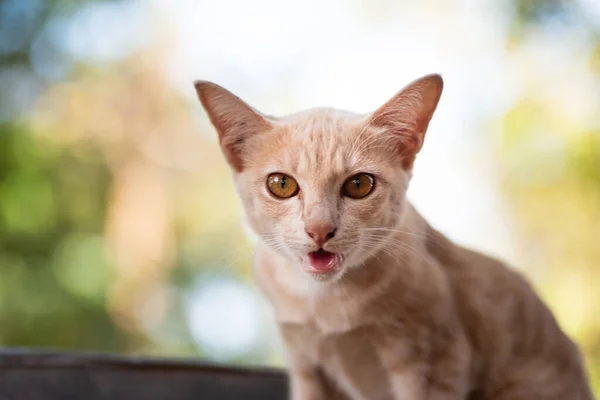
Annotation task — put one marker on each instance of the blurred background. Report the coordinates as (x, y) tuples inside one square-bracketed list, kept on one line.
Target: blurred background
[(120, 230)]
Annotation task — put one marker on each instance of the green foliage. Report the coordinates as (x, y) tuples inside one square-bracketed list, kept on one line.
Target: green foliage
[(53, 270)]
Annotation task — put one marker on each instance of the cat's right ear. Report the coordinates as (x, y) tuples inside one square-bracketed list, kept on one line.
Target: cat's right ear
[(234, 120), (406, 116)]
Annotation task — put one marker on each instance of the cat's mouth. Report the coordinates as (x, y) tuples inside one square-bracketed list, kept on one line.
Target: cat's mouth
[(322, 261)]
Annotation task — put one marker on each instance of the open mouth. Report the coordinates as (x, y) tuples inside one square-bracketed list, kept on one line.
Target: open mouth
[(322, 261)]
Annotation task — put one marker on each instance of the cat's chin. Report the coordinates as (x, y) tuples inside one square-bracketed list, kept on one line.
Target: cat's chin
[(324, 277)]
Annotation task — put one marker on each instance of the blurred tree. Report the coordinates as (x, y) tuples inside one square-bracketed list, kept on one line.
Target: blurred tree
[(50, 197), (549, 159), (22, 22), (88, 176), (45, 205)]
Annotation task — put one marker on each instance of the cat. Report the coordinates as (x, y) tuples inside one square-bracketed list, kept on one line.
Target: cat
[(371, 301)]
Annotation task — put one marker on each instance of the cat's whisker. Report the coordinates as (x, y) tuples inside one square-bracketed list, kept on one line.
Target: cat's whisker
[(395, 230), (422, 235), (394, 243), (369, 143), (358, 137), (230, 263), (384, 146)]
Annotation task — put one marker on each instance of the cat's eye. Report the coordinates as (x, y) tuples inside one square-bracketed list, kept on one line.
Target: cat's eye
[(358, 186), (282, 186)]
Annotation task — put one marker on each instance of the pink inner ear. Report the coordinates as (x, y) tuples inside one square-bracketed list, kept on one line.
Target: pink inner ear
[(234, 120), (408, 133), (407, 115), (409, 144), (232, 143), (232, 153)]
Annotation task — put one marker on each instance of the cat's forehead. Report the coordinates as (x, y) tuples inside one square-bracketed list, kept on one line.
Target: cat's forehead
[(316, 142)]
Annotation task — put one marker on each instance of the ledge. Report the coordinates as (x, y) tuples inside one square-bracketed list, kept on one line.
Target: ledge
[(53, 375)]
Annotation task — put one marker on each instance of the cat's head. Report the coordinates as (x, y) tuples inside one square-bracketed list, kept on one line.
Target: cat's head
[(324, 188)]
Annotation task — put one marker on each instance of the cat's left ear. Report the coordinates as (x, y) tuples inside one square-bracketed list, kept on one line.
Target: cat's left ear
[(235, 121), (406, 116)]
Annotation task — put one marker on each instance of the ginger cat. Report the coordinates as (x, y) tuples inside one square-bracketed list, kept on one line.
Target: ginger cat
[(372, 302)]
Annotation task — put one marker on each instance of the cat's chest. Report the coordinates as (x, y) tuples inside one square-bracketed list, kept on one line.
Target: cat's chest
[(349, 360), (325, 319)]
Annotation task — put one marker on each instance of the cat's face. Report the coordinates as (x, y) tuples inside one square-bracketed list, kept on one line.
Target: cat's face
[(325, 188), (318, 181)]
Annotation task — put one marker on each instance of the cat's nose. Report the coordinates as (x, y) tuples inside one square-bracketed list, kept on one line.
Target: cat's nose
[(320, 232)]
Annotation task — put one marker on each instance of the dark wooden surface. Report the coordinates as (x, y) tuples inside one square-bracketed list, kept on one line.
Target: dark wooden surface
[(46, 375)]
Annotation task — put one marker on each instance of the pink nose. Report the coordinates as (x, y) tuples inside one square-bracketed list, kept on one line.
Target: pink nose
[(320, 233)]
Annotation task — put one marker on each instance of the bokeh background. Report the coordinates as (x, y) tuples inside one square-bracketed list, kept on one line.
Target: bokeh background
[(120, 230)]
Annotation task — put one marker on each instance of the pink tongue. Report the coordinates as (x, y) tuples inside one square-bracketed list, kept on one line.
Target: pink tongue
[(322, 260)]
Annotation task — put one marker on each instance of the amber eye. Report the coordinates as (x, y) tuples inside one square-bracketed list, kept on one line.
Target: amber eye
[(358, 186), (282, 186)]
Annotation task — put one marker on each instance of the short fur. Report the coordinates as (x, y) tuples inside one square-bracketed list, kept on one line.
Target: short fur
[(408, 314)]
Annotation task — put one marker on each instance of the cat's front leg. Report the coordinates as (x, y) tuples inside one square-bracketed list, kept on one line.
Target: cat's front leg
[(406, 370), (407, 384), (433, 367), (305, 384), (449, 366), (305, 378)]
